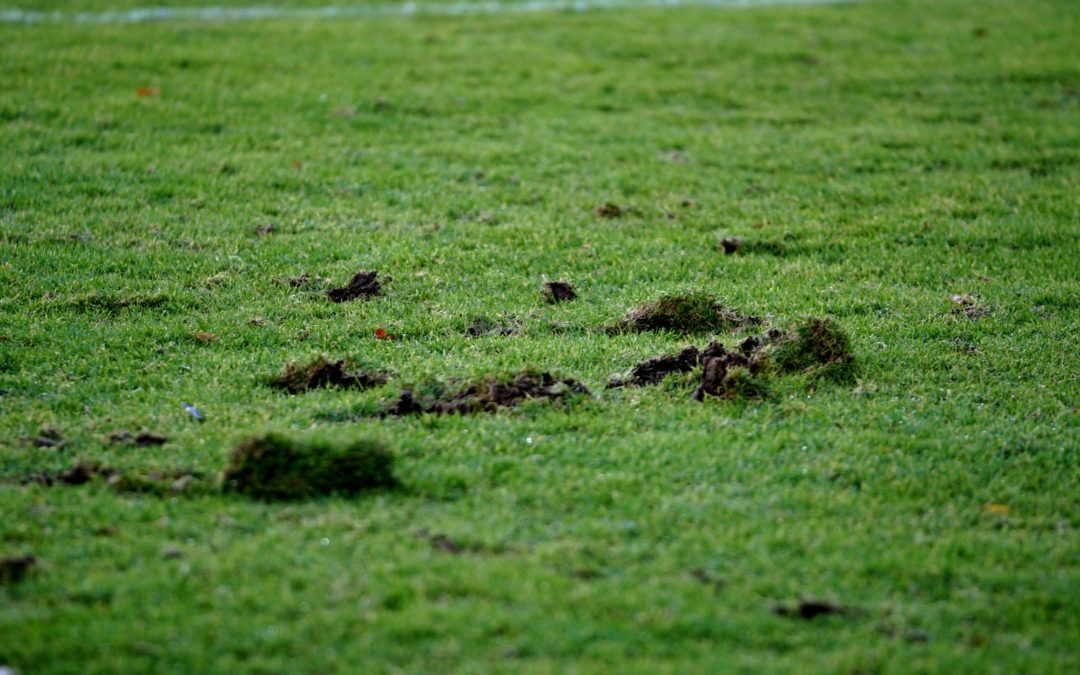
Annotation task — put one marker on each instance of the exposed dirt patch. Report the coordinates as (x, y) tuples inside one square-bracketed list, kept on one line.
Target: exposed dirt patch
[(321, 372), (142, 439), (153, 482), (811, 609), (273, 467), (79, 474), (654, 370), (14, 569), (558, 291), (488, 395), (733, 245), (363, 285), (483, 326), (969, 306), (729, 375), (48, 438), (693, 312), (610, 211)]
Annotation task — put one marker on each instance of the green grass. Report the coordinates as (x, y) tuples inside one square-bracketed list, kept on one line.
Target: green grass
[(903, 152)]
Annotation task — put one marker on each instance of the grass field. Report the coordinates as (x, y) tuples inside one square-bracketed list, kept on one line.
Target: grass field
[(161, 183)]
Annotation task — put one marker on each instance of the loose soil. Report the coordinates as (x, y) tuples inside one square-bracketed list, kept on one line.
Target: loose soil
[(321, 372), (558, 291), (363, 285), (488, 395)]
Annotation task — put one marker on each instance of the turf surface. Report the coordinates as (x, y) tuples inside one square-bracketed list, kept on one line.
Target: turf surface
[(161, 184)]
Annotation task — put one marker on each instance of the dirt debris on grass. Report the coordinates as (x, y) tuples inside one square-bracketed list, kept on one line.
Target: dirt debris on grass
[(322, 372), (812, 609), (48, 438), (558, 291), (274, 467), (363, 285), (610, 211), (815, 347), (733, 245), (307, 282), (488, 394), (483, 326), (684, 313), (159, 482), (969, 306), (652, 371), (15, 568), (142, 439)]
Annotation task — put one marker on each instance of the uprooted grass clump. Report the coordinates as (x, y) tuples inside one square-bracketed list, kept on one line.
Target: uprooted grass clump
[(817, 347), (558, 291), (322, 372), (690, 312), (486, 395), (274, 467)]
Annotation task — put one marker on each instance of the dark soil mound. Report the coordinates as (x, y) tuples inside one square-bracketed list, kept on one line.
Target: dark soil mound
[(142, 439), (817, 347), (321, 372), (654, 370), (489, 395), (684, 313), (811, 609), (558, 291), (276, 468), (14, 569), (362, 285)]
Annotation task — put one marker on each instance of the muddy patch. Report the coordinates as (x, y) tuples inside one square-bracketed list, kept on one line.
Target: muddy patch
[(611, 211), (321, 372), (811, 609), (486, 395), (14, 569), (558, 291), (730, 375), (274, 467), (683, 313), (48, 438), (363, 285), (143, 439), (153, 482)]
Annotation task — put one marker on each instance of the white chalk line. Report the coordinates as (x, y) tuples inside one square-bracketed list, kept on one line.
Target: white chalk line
[(407, 9)]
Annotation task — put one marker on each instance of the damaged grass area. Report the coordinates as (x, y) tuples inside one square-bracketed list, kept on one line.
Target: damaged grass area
[(816, 347), (274, 468), (487, 394), (321, 372), (683, 313), (362, 286)]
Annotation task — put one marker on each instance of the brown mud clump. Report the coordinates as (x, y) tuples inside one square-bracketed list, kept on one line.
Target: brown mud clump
[(143, 439), (610, 211), (14, 569), (558, 291), (363, 285), (654, 370), (321, 372), (273, 467), (731, 245), (729, 375), (79, 474), (693, 312), (487, 395), (811, 609)]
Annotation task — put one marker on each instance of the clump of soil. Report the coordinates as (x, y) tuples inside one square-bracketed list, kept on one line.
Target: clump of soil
[(733, 245), (692, 312), (488, 395), (482, 326), (654, 370), (273, 467), (609, 210), (48, 437), (14, 569), (729, 375), (79, 474), (558, 291), (142, 439), (363, 285), (969, 307), (811, 609), (817, 347), (321, 372)]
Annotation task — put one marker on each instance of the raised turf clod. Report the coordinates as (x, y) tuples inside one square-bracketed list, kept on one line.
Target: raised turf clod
[(364, 284), (274, 467), (488, 395), (816, 346), (690, 312), (322, 372)]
